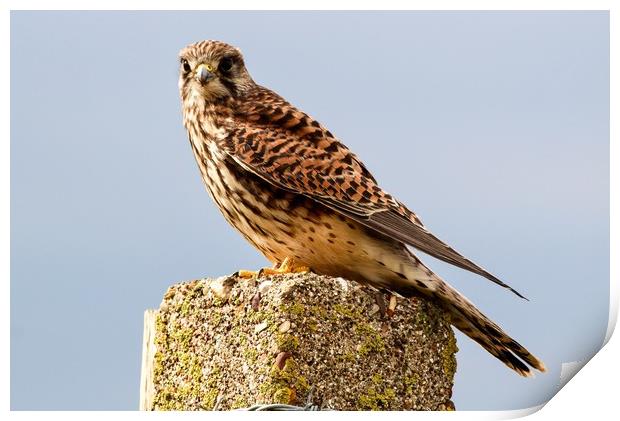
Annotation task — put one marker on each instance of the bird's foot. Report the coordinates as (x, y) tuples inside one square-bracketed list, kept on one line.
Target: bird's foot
[(380, 302), (391, 306), (246, 274), (287, 266), (386, 310)]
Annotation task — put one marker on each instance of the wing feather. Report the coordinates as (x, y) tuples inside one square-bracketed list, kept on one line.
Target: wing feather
[(303, 157)]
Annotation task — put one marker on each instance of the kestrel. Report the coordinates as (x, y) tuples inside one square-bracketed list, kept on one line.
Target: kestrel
[(302, 198)]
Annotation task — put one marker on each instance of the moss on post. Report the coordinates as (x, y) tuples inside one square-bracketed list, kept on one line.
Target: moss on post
[(232, 343)]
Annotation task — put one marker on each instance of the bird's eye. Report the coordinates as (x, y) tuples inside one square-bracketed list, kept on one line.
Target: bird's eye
[(186, 67), (225, 64)]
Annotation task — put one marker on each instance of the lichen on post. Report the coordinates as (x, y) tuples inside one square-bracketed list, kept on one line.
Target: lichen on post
[(230, 343)]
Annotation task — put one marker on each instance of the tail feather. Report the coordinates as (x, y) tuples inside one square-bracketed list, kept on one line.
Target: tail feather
[(403, 273), (498, 352), (473, 323), (469, 320)]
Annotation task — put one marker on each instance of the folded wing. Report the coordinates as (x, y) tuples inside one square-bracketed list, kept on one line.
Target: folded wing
[(303, 157)]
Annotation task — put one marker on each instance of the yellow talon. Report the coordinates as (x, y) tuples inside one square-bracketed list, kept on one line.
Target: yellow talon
[(287, 266), (247, 274)]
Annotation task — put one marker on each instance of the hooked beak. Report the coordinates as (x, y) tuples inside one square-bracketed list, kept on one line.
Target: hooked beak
[(203, 73)]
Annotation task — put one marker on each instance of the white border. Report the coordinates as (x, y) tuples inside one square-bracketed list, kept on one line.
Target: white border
[(313, 5), (590, 394)]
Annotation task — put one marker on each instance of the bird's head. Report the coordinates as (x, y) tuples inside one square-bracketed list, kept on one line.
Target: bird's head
[(211, 71)]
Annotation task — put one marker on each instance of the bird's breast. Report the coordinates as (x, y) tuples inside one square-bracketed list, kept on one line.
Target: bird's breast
[(283, 224)]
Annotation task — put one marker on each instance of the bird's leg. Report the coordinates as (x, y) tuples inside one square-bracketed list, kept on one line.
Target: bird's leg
[(289, 266), (380, 302), (286, 266), (385, 310), (391, 306), (251, 274), (246, 274)]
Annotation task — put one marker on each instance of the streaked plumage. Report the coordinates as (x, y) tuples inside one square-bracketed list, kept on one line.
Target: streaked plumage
[(293, 190)]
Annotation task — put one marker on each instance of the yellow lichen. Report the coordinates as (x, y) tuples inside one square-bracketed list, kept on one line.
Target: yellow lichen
[(296, 309), (372, 341), (250, 355), (410, 384), (375, 399), (218, 302), (239, 402), (347, 312), (449, 357), (318, 311), (287, 342), (260, 316), (215, 319), (182, 336), (209, 395), (286, 385), (208, 398), (312, 325)]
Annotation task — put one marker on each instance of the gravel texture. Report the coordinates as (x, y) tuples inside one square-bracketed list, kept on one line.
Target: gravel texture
[(231, 343)]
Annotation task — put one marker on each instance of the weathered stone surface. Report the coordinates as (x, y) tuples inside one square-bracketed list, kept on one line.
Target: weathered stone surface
[(239, 342)]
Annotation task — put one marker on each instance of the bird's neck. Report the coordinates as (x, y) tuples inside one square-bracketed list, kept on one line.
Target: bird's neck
[(206, 121)]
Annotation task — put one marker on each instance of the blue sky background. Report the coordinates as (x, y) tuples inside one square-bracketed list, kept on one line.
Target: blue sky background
[(492, 126)]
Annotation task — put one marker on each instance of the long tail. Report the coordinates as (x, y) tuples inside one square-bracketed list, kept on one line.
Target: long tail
[(468, 319), (473, 323)]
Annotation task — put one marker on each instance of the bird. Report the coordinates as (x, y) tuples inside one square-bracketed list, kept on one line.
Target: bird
[(297, 194)]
